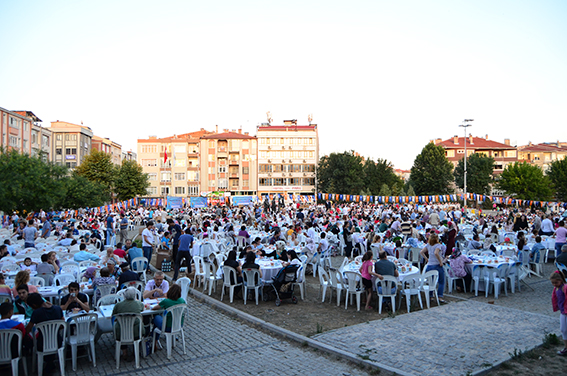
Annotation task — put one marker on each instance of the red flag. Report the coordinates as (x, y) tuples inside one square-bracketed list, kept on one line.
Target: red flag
[(165, 156)]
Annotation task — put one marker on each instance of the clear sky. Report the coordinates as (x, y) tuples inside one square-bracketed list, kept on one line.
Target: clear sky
[(380, 77)]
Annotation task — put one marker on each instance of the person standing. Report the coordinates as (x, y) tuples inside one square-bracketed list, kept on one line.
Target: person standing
[(559, 302), (560, 237), (30, 234), (148, 242), (109, 228), (433, 255), (46, 228), (123, 228), (175, 231), (184, 252)]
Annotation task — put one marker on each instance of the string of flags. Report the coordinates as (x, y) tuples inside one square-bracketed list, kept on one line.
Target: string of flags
[(434, 199)]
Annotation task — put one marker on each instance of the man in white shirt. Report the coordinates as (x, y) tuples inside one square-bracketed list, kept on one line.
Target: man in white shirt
[(323, 244), (311, 231), (547, 226), (148, 242)]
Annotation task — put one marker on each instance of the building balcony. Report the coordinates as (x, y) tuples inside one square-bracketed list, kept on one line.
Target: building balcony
[(233, 162)]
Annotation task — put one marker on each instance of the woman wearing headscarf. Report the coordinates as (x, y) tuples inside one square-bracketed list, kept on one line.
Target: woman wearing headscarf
[(458, 269)]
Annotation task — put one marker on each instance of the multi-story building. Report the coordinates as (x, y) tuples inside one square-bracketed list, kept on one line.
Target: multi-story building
[(72, 143), (178, 175), (129, 155), (109, 147), (503, 153), (542, 154), (229, 163), (40, 137), (288, 156), (16, 131)]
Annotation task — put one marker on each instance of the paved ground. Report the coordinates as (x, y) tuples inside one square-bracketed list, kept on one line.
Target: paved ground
[(448, 340), (219, 345)]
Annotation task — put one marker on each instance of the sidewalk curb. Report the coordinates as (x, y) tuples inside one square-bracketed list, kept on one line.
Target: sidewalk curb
[(289, 335)]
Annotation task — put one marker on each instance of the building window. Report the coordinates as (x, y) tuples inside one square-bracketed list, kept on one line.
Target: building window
[(149, 162), (267, 141), (245, 183), (222, 169), (58, 151), (71, 151), (310, 141), (58, 137), (211, 183), (308, 168), (308, 181), (152, 176), (179, 190), (179, 162), (149, 148), (449, 153), (510, 154), (263, 155), (151, 191), (223, 183), (266, 182), (180, 176), (14, 123), (279, 181), (166, 177), (295, 181), (245, 170), (193, 190), (164, 191), (71, 164), (211, 143), (245, 144), (234, 183)]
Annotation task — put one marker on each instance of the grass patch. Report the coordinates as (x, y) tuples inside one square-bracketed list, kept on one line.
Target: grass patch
[(365, 357), (319, 328), (550, 339)]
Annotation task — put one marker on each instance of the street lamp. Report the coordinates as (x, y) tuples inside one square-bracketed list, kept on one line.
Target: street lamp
[(466, 124)]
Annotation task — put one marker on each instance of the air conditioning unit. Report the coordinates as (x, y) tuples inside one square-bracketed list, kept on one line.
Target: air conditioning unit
[(269, 147), (290, 174), (304, 161), (283, 160), (289, 147), (269, 161), (304, 174), (290, 161), (283, 147), (269, 174)]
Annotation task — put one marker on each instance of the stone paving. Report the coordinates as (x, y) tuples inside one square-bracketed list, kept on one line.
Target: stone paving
[(453, 339), (219, 345)]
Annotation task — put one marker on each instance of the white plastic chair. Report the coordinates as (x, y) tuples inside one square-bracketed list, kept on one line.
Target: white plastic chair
[(210, 279), (452, 280), (139, 265), (138, 294), (314, 262), (410, 287), (508, 253), (487, 253), (6, 356), (84, 334), (199, 270), (138, 285), (5, 298), (103, 290), (301, 281), (303, 259), (358, 259), (338, 284), (343, 264), (229, 272), (177, 314), (127, 335), (495, 277), (11, 267), (324, 283), (414, 256), (476, 275), (240, 242), (429, 282), (513, 276), (51, 332), (252, 281), (37, 281), (86, 264), (387, 285), (353, 288), (63, 279), (184, 283), (109, 300)]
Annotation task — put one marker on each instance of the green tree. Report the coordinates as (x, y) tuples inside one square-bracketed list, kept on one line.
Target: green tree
[(557, 174), (479, 173), (385, 190), (97, 167), (340, 173), (82, 193), (28, 183), (378, 173), (526, 182), (410, 192), (431, 171), (130, 181)]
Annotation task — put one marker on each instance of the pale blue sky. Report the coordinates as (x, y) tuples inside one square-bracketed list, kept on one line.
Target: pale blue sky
[(380, 77)]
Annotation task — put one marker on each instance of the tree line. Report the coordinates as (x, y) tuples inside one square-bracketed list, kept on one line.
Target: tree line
[(433, 174), (28, 183)]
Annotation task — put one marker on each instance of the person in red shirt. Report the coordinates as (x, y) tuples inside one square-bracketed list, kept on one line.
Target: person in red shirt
[(119, 251)]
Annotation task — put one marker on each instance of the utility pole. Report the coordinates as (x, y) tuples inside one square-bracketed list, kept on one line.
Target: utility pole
[(466, 124)]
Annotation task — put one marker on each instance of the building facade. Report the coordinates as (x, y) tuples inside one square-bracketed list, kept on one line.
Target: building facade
[(542, 154), (229, 163), (129, 155), (288, 156), (109, 147), (71, 143), (503, 153), (178, 175)]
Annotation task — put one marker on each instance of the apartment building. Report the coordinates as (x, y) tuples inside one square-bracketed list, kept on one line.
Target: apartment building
[(503, 153), (229, 163), (542, 154), (129, 155), (109, 147), (72, 143), (178, 174), (288, 156)]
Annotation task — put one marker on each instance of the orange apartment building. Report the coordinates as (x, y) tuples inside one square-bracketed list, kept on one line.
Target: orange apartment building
[(22, 131), (229, 163), (542, 154), (109, 147), (179, 174), (503, 153)]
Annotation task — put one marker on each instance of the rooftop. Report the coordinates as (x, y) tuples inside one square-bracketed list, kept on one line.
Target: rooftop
[(290, 127), (472, 142), (227, 135), (543, 148)]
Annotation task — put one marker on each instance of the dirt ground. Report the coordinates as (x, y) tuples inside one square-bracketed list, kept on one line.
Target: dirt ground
[(312, 316), (539, 362)]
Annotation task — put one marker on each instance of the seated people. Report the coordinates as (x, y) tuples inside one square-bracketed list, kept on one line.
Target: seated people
[(475, 243), (458, 270), (173, 298), (250, 263), (128, 305), (127, 275), (84, 255), (75, 300), (6, 322), (384, 267), (231, 261), (157, 287), (537, 248), (4, 288), (46, 269), (23, 278), (21, 306), (27, 264)]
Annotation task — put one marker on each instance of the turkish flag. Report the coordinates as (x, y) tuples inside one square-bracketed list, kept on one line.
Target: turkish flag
[(165, 156)]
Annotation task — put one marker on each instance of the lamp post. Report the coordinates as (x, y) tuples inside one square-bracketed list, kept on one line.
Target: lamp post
[(466, 124)]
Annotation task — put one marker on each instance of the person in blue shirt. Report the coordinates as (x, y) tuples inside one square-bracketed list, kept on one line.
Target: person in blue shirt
[(184, 252), (109, 228), (535, 253), (133, 253), (83, 255)]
